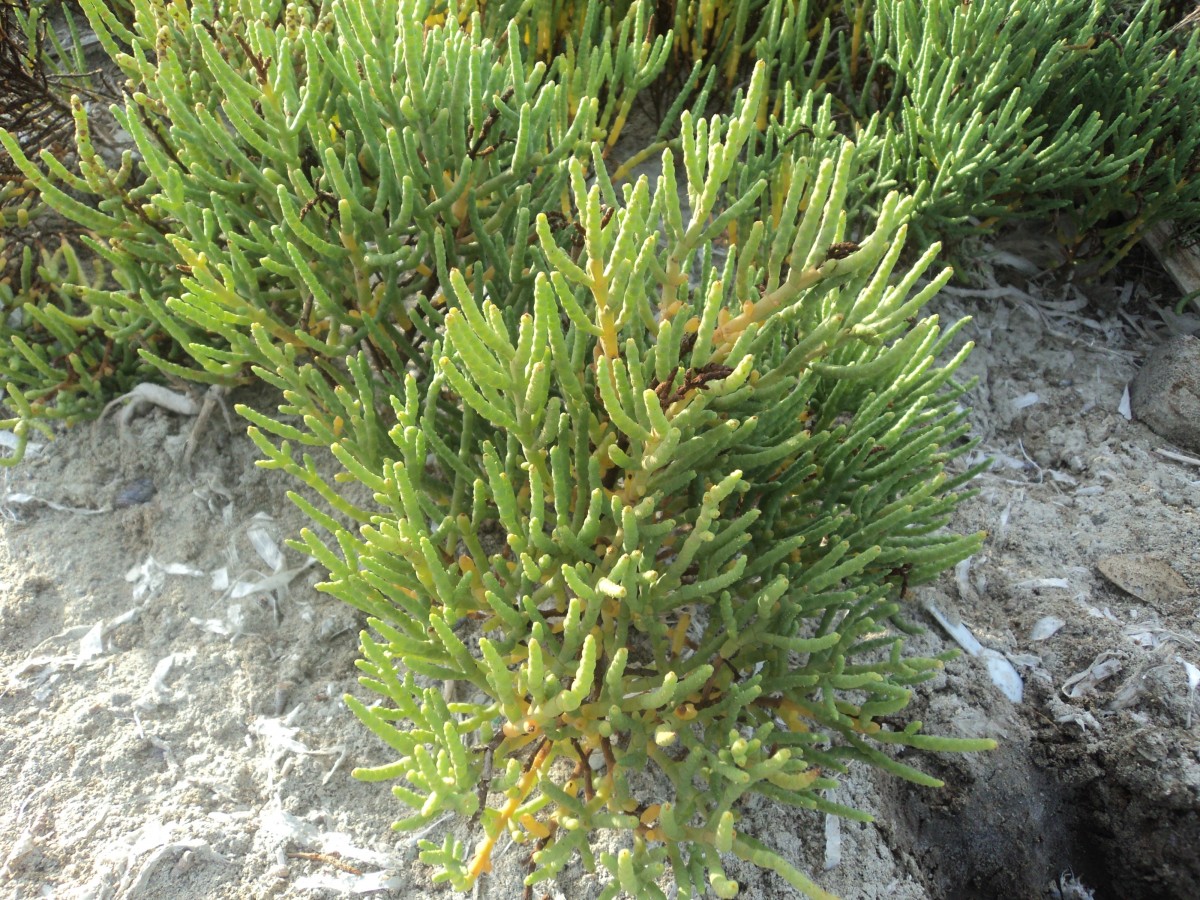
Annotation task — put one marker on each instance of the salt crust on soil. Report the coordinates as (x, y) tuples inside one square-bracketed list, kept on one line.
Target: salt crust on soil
[(196, 742)]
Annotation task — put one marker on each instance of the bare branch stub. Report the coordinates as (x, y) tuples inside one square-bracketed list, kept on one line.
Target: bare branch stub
[(841, 250), (693, 380)]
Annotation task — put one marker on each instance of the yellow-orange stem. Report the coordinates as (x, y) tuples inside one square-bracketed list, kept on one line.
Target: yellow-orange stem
[(483, 856)]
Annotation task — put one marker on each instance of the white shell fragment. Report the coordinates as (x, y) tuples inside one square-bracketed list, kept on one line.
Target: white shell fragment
[(91, 647), (1125, 409), (1045, 627), (92, 644), (264, 545), (1193, 675), (1025, 401), (1177, 457), (1083, 683), (1013, 261), (212, 626), (157, 691), (151, 575), (195, 845), (281, 828), (833, 841), (10, 441), (1063, 478), (1067, 887), (1039, 584), (1193, 679), (350, 883), (1146, 637), (24, 847), (1002, 672), (244, 588), (1002, 528), (259, 534), (962, 578), (20, 498), (279, 737)]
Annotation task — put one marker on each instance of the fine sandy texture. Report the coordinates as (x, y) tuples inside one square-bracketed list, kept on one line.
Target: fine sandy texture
[(171, 721)]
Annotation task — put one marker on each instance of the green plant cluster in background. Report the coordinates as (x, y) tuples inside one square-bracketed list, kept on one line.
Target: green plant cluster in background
[(266, 120), (650, 460), (988, 112)]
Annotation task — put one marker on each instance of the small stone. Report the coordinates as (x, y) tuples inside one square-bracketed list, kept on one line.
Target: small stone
[(1166, 393), (138, 491)]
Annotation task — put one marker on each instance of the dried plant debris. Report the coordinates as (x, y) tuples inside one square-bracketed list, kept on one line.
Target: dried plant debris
[(1146, 577), (33, 97)]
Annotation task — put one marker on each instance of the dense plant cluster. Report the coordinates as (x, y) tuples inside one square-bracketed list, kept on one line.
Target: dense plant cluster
[(652, 459), (1077, 110)]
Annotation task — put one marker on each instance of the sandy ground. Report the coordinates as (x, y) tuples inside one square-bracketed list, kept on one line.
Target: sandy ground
[(171, 721)]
